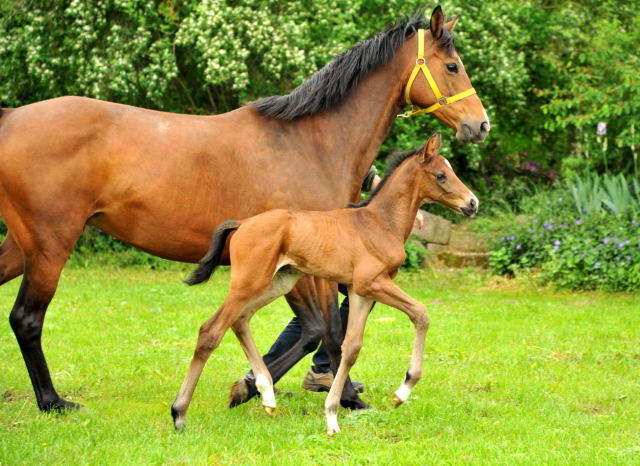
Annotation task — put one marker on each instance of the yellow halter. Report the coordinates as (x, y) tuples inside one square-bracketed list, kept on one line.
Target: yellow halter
[(441, 101)]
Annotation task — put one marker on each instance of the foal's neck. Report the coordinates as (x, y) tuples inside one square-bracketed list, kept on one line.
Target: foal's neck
[(398, 200)]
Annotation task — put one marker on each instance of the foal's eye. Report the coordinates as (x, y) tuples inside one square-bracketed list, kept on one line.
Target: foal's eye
[(452, 67), (441, 177)]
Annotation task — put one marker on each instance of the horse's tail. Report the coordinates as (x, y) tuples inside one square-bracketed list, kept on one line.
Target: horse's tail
[(211, 260)]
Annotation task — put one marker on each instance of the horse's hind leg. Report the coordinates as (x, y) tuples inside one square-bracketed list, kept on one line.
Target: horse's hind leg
[(43, 264), (11, 259)]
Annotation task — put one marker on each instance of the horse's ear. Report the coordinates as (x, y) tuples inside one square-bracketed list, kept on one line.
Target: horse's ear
[(437, 23), (451, 24), (432, 147)]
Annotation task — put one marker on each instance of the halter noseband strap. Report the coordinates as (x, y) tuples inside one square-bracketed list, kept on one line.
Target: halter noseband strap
[(441, 101)]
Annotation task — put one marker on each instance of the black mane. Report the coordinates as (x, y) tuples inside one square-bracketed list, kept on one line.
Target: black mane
[(393, 162), (336, 79)]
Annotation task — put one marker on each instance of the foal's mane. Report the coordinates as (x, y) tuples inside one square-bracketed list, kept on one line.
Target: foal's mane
[(394, 161), (331, 84)]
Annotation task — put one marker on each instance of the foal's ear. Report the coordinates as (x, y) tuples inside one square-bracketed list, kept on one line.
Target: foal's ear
[(451, 24), (437, 22), (432, 147)]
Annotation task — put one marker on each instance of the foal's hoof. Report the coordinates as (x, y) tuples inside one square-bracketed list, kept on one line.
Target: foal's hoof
[(242, 391), (60, 406), (178, 419), (354, 404), (270, 411), (397, 401)]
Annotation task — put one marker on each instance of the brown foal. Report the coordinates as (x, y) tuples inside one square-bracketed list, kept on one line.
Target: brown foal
[(361, 246)]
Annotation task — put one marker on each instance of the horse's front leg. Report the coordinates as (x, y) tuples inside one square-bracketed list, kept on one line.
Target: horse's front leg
[(387, 292), (358, 313)]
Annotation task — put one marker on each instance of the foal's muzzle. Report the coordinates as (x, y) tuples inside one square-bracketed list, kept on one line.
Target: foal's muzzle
[(471, 209)]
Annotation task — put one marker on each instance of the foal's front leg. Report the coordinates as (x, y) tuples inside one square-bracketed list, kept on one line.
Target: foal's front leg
[(359, 308), (387, 292)]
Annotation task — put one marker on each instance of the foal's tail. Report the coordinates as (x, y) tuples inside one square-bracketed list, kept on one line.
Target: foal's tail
[(211, 260)]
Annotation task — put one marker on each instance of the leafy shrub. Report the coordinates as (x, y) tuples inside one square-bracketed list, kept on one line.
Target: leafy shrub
[(415, 255), (585, 234)]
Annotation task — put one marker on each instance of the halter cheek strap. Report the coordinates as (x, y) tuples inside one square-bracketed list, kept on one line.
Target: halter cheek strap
[(441, 101)]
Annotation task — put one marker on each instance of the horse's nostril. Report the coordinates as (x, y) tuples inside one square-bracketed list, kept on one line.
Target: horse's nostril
[(484, 127), (472, 204)]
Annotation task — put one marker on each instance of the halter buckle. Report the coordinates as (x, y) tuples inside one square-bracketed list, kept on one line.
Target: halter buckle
[(421, 61), (443, 101)]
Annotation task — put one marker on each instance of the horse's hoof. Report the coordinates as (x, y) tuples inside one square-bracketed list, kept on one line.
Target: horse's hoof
[(242, 391), (397, 401), (354, 404), (270, 411), (60, 405)]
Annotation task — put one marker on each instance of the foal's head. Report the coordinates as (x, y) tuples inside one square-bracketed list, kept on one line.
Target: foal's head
[(440, 184)]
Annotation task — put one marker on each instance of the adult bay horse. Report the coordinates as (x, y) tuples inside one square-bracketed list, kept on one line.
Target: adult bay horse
[(161, 182), (360, 246)]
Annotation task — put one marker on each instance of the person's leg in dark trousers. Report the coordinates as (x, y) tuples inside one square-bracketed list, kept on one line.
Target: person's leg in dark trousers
[(319, 378)]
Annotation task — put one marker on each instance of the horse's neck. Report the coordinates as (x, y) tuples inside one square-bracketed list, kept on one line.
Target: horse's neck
[(398, 201), (356, 128)]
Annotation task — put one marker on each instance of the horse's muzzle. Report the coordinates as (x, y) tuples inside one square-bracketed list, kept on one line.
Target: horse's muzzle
[(473, 132)]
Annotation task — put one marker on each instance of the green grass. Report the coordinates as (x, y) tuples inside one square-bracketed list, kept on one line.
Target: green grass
[(513, 375)]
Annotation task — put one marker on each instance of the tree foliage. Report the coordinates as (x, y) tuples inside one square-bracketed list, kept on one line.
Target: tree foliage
[(546, 71)]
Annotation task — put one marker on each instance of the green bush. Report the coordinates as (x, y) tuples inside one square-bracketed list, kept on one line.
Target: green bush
[(581, 235)]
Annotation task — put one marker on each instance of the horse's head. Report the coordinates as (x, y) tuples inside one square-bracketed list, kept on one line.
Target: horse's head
[(440, 184), (436, 81)]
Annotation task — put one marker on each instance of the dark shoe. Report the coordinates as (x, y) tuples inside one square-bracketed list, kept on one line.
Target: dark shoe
[(321, 382), (242, 391)]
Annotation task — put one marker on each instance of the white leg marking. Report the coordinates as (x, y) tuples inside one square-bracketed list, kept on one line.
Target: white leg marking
[(332, 423), (266, 391), (403, 392)]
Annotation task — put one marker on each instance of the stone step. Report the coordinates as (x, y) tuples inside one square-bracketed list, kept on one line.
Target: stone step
[(460, 259), (466, 241)]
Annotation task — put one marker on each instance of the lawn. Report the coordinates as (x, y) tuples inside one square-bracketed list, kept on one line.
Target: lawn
[(514, 374)]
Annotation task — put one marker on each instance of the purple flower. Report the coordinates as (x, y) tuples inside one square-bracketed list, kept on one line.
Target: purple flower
[(531, 166), (511, 238), (548, 226), (605, 241), (518, 246), (552, 175), (578, 222), (557, 242), (597, 265), (530, 232), (602, 128)]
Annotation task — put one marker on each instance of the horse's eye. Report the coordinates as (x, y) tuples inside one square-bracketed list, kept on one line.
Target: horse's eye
[(452, 67), (441, 177)]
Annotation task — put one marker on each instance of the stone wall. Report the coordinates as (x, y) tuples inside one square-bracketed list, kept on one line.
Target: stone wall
[(451, 245)]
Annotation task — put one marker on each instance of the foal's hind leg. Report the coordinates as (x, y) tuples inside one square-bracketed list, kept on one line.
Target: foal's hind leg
[(211, 333), (11, 259), (247, 295), (281, 284)]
